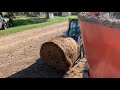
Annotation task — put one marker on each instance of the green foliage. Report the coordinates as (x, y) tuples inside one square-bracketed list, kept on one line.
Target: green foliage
[(75, 13), (26, 23)]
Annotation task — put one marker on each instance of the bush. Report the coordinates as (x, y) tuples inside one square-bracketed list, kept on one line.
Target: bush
[(75, 13), (57, 13)]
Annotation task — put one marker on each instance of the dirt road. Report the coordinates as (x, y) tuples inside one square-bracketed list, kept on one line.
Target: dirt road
[(19, 54)]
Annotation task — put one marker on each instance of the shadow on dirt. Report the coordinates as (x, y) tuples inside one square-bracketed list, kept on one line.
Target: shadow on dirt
[(38, 70)]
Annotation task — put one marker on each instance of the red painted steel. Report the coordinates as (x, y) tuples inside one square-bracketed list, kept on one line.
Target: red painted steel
[(102, 49)]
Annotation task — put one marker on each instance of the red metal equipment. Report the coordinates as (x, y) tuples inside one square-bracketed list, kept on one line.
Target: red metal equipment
[(101, 40)]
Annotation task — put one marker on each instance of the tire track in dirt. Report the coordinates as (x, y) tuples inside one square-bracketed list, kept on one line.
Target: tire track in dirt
[(19, 54), (22, 49)]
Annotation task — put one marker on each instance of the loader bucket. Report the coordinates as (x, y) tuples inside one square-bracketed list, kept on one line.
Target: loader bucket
[(101, 40)]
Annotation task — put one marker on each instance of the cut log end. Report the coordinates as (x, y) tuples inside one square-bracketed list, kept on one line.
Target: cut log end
[(60, 52)]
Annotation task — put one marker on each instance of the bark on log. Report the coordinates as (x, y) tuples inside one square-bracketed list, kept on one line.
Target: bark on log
[(60, 52)]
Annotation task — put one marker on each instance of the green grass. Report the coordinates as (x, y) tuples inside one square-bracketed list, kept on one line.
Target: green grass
[(26, 23)]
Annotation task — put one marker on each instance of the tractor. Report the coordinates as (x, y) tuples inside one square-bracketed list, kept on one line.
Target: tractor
[(75, 32), (91, 31)]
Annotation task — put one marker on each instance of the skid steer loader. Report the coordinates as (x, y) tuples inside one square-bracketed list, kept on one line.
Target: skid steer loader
[(74, 32)]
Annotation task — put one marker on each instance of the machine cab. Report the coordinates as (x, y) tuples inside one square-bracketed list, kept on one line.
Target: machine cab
[(73, 29)]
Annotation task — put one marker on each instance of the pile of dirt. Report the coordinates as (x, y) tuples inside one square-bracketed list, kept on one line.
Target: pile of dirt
[(110, 22), (60, 52)]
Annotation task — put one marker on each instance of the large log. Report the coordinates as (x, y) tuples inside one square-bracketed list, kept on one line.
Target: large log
[(60, 52)]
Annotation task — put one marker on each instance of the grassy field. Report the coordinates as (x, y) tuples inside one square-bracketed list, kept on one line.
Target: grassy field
[(26, 23)]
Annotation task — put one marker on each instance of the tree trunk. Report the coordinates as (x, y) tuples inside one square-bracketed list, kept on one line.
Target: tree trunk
[(57, 54), (49, 15), (0, 13)]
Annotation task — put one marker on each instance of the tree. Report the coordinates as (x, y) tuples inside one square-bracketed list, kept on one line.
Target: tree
[(1, 13), (49, 15), (11, 17)]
